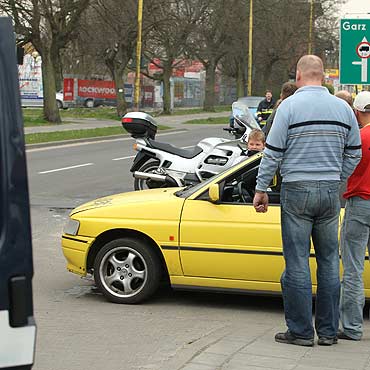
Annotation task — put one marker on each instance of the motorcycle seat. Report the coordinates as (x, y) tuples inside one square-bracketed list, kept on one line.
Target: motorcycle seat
[(185, 153)]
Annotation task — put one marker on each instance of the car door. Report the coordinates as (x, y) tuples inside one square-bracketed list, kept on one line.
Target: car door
[(17, 327), (229, 240)]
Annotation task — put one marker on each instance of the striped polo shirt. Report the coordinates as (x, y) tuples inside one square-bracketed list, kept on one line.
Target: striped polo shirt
[(315, 136)]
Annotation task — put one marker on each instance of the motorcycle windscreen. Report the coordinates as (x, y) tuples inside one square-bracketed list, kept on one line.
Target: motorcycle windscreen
[(17, 326), (241, 112)]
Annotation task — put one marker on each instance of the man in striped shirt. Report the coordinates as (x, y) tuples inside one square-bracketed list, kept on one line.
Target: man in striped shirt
[(316, 143)]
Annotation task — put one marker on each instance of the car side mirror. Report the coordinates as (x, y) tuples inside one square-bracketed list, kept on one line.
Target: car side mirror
[(214, 193)]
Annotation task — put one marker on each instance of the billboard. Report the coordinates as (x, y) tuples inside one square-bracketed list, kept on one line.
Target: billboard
[(30, 78)]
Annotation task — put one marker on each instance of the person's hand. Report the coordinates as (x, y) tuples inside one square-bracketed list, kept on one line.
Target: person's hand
[(260, 202), (260, 119)]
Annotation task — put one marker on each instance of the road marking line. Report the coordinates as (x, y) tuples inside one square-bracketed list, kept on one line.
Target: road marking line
[(66, 168), (119, 159), (30, 150)]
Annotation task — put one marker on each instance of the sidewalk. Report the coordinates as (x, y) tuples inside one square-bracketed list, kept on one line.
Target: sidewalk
[(252, 347), (91, 123)]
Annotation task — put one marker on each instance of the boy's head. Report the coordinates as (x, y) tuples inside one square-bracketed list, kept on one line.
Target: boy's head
[(256, 140)]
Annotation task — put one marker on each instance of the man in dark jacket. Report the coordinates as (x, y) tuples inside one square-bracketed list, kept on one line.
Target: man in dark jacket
[(265, 108)]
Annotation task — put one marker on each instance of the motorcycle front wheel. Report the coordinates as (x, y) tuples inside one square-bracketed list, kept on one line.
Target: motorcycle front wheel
[(141, 184)]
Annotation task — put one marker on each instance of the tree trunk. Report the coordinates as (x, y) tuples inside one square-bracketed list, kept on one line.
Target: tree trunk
[(120, 91), (51, 111), (58, 72), (167, 71), (209, 100)]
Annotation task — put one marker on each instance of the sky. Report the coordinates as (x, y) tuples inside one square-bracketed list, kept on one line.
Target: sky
[(356, 6)]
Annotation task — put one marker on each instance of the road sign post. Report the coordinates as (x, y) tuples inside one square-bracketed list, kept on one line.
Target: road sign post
[(354, 51)]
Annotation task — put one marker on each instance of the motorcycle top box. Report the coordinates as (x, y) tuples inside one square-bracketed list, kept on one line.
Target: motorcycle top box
[(139, 125)]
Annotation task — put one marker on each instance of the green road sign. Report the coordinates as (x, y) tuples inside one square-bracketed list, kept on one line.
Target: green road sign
[(354, 51)]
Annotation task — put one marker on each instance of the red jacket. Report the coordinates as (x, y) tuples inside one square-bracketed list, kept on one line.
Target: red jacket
[(359, 182)]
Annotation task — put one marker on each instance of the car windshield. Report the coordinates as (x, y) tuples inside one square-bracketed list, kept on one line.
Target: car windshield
[(243, 114)]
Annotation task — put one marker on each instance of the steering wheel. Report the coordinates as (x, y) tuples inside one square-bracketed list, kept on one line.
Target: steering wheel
[(244, 193)]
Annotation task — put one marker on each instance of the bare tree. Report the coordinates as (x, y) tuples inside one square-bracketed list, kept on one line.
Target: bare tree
[(165, 45), (281, 37), (209, 42), (114, 32), (234, 63), (49, 25)]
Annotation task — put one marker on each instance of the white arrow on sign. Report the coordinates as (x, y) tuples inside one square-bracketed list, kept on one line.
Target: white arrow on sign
[(363, 64)]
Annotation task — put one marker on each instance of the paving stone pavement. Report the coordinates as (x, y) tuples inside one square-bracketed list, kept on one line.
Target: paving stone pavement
[(254, 348)]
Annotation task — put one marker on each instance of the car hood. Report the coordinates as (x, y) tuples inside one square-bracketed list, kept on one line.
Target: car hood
[(134, 197)]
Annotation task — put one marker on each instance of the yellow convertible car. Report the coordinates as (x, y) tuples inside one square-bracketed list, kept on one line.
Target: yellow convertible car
[(207, 236)]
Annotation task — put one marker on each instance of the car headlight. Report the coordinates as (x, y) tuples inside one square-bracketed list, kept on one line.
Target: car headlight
[(71, 227)]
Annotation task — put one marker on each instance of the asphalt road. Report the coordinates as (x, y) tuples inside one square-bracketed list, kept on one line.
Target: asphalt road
[(66, 176)]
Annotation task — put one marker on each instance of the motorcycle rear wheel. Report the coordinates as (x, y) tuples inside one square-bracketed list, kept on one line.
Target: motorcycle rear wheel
[(141, 184)]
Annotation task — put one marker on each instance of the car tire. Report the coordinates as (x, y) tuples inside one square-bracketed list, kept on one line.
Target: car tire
[(59, 104), (89, 103), (127, 271), (141, 184)]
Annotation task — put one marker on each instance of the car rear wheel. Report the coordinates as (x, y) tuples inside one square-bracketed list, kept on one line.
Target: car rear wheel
[(127, 271), (59, 104)]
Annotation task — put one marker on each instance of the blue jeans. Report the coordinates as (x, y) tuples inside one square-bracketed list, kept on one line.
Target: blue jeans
[(310, 209), (355, 234)]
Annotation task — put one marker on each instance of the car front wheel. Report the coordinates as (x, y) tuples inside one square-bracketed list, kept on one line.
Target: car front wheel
[(127, 271)]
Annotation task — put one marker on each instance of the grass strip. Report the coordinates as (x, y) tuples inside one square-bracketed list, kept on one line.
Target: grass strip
[(218, 109), (45, 137), (97, 113), (209, 121), (34, 116)]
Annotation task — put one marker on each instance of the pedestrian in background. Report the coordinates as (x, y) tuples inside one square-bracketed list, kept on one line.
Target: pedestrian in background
[(315, 139), (346, 96), (265, 108), (355, 231), (287, 89)]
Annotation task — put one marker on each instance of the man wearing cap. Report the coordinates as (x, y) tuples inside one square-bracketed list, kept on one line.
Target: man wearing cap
[(355, 230)]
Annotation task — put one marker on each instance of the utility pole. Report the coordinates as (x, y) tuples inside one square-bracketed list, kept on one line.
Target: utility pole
[(250, 47), (138, 54), (310, 28)]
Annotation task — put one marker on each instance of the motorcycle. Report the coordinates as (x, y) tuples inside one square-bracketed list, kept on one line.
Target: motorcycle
[(160, 164)]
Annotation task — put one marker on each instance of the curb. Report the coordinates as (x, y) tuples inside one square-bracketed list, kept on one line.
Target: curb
[(88, 139)]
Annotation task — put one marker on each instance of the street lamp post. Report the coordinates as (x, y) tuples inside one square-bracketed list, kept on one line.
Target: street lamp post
[(250, 47), (138, 53), (310, 28)]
